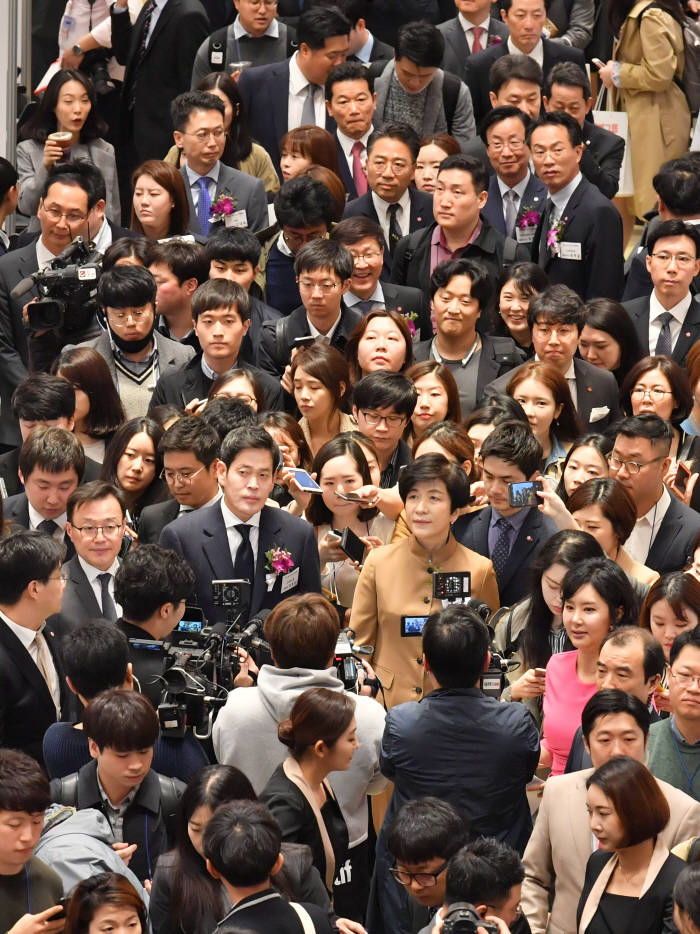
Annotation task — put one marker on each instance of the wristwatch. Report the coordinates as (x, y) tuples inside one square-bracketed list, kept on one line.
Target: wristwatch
[(77, 50)]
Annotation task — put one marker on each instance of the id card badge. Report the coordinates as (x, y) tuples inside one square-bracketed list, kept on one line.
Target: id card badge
[(290, 580), (569, 250), (239, 218), (525, 234), (217, 58)]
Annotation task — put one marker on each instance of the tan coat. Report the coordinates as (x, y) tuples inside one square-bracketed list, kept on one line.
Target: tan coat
[(651, 52), (395, 581), (561, 842)]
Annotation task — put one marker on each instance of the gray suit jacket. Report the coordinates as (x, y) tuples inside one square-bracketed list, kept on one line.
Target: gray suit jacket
[(456, 45), (434, 120), (249, 193)]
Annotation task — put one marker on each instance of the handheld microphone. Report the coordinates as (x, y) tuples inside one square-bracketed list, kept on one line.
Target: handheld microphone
[(216, 637), (22, 287)]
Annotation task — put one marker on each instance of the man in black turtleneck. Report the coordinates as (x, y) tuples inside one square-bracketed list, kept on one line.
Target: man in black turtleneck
[(136, 354)]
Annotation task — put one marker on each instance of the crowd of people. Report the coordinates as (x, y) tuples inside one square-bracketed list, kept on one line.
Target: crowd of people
[(349, 472)]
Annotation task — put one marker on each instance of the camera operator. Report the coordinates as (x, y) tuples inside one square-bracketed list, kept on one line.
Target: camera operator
[(302, 631), (152, 586)]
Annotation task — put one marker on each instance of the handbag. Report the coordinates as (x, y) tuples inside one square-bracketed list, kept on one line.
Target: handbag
[(617, 122)]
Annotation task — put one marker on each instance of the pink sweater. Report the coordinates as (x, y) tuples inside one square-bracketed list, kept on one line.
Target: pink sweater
[(564, 699)]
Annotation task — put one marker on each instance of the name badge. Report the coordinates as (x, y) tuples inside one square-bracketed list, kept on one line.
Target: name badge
[(240, 219), (569, 250), (289, 581), (217, 58), (525, 234)]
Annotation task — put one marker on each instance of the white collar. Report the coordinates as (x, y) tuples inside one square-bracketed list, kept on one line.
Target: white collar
[(103, 238), (92, 573), (364, 53), (679, 311), (36, 517), (282, 245), (43, 254), (328, 336), (519, 189), (657, 512), (351, 299), (239, 30), (213, 174), (561, 198), (537, 53), (25, 635), (467, 24), (347, 142), (570, 373), (382, 207), (231, 519), (298, 82)]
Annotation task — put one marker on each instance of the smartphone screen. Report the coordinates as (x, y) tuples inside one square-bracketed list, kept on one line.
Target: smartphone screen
[(682, 476), (524, 493), (305, 480), (352, 545), (413, 625)]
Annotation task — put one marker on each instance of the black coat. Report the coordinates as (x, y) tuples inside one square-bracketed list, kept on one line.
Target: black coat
[(275, 354), (190, 383), (602, 157), (9, 465), (153, 520), (16, 511)]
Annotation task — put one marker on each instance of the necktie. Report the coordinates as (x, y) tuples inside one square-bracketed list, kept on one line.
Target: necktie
[(308, 113), (501, 550), (394, 229), (477, 33), (149, 7), (109, 610), (663, 344), (543, 252), (48, 526), (203, 205), (510, 199), (244, 565), (45, 665), (358, 173), (365, 306)]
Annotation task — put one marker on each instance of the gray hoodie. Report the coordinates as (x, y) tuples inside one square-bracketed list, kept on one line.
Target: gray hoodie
[(245, 735)]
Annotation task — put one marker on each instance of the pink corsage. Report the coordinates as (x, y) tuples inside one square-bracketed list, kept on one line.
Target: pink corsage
[(224, 206), (554, 235)]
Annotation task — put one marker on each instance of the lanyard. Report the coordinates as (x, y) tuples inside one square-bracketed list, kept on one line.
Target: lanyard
[(29, 901), (688, 777)]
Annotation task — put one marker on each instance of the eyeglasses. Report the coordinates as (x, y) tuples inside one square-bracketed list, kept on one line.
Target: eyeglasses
[(498, 145), (61, 577), (546, 330), (633, 467), (656, 395), (295, 241), (425, 879), (326, 286), (175, 476), (203, 135), (120, 317), (685, 679), (270, 4), (89, 532), (683, 259), (374, 418), (367, 257), (72, 217)]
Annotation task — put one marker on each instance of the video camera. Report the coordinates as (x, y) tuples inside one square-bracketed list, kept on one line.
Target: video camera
[(348, 664), (68, 286), (463, 918)]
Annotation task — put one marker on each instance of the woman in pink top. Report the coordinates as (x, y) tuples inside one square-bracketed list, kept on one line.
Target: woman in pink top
[(596, 597)]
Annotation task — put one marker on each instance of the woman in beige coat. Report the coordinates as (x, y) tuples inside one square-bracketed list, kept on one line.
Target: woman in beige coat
[(648, 61)]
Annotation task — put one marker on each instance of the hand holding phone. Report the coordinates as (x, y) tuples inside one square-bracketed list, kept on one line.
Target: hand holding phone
[(304, 480), (597, 62), (680, 481), (524, 493)]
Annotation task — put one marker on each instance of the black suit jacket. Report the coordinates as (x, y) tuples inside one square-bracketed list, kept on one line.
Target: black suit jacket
[(673, 546), (16, 511), (202, 541), (9, 465), (477, 68), (190, 383), (274, 355), (596, 389), (601, 162), (457, 51), (533, 199), (421, 216), (163, 72), (265, 93), (79, 604), (472, 530), (250, 345), (404, 299), (638, 310), (154, 518), (591, 221), (14, 350), (380, 52), (26, 706)]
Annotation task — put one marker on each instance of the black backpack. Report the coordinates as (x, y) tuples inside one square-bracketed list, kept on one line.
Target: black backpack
[(169, 796)]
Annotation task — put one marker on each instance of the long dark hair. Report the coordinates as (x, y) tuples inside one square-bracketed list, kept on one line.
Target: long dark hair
[(239, 142), (618, 11), (119, 444), (569, 548), (604, 314), (317, 512), (600, 443), (44, 122), (84, 368), (195, 893)]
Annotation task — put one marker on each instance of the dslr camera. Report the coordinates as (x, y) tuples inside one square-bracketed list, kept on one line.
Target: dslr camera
[(463, 918)]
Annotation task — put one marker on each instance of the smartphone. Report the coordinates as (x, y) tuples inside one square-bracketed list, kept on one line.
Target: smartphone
[(540, 672), (351, 497), (305, 480), (682, 476), (351, 544), (597, 62), (305, 341), (413, 625), (62, 913), (524, 493)]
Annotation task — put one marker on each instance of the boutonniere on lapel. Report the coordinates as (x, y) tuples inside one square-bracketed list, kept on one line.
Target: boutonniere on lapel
[(278, 562), (554, 235), (410, 317), (529, 217), (494, 40), (224, 209)]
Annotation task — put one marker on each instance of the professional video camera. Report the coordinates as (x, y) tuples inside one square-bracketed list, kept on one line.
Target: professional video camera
[(463, 918), (68, 286), (348, 663)]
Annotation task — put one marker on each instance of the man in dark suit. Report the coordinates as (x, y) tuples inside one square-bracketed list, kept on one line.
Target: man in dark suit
[(459, 291), (221, 312), (459, 229), (364, 47), (567, 88), (525, 20), (470, 32), (365, 242), (579, 230), (198, 118), (31, 681), (232, 540), (351, 102), (289, 94), (556, 317), (516, 196), (158, 51), (666, 529), (190, 449), (668, 320), (9, 196), (391, 202)]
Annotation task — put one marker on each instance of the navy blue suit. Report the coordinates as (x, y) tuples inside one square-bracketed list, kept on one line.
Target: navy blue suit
[(638, 310), (202, 541), (533, 198)]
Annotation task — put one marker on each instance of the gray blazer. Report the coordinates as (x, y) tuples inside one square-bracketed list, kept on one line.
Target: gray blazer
[(32, 175), (457, 48), (248, 191), (434, 120)]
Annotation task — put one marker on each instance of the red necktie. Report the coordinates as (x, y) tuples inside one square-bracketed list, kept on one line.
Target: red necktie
[(477, 33), (358, 173)]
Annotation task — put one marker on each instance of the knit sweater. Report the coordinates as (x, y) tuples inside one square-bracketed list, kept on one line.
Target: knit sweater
[(34, 889), (673, 759)]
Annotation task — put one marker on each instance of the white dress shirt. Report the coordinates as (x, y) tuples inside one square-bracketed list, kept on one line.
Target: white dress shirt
[(231, 520), (328, 336), (570, 377), (363, 54), (213, 177), (92, 574), (469, 35), (298, 84), (403, 215), (377, 297), (346, 144), (28, 639), (678, 313), (537, 53), (561, 198), (519, 190), (36, 517), (43, 255), (638, 545)]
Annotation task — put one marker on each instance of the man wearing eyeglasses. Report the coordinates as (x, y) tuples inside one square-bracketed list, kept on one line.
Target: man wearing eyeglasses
[(664, 535), (95, 524), (190, 451), (668, 320), (674, 744), (198, 119)]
